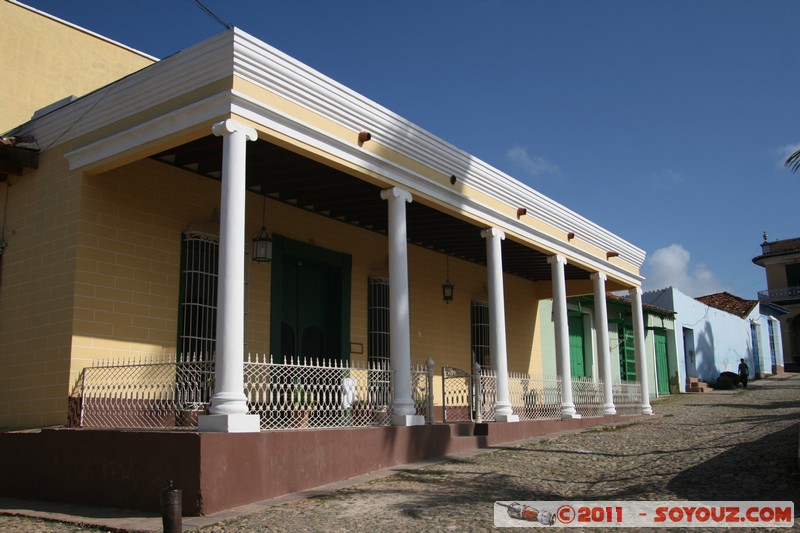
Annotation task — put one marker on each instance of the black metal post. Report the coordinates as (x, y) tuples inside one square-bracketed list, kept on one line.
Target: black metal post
[(171, 509)]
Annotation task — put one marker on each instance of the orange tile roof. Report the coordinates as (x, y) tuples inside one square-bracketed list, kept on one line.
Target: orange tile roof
[(729, 303)]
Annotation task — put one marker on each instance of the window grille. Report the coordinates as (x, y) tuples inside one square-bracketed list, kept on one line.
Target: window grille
[(378, 321), (479, 326), (198, 294)]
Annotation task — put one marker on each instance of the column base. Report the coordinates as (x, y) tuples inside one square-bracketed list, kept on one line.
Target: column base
[(408, 420), (647, 410), (609, 410), (506, 418), (570, 416), (229, 423)]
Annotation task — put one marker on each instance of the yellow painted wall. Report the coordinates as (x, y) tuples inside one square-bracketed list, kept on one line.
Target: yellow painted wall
[(127, 278), (112, 291), (44, 60), (36, 294)]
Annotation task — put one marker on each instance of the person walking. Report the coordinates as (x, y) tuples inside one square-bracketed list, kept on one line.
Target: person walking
[(744, 372)]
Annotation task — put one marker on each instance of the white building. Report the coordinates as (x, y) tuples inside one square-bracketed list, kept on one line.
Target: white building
[(713, 332)]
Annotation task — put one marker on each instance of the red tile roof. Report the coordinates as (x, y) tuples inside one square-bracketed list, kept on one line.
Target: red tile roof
[(729, 303)]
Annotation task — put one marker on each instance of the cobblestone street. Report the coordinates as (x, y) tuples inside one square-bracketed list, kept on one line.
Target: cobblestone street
[(739, 445)]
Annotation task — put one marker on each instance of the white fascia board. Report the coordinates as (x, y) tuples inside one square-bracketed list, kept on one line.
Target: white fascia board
[(273, 70), (170, 78), (151, 131), (235, 52), (267, 117)]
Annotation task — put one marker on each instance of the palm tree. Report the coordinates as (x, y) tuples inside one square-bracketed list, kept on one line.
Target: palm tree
[(793, 161)]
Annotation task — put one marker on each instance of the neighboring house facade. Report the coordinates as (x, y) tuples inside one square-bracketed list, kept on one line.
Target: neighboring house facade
[(781, 261), (129, 234), (661, 351), (713, 332)]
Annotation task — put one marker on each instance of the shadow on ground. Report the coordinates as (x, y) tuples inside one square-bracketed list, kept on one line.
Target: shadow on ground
[(764, 469)]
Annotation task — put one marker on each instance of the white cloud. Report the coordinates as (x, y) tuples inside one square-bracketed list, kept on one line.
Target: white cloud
[(670, 266), (784, 152), (534, 165)]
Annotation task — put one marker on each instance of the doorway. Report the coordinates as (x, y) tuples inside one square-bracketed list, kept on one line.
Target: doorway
[(310, 302), (688, 353), (662, 361), (576, 344)]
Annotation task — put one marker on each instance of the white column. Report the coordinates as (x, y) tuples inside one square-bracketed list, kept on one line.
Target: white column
[(497, 324), (603, 352), (557, 263), (639, 348), (228, 412), (403, 409)]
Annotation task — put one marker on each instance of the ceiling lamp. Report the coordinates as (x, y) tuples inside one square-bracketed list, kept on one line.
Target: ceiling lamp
[(262, 243)]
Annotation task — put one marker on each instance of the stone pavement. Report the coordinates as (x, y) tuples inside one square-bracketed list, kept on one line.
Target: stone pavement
[(737, 445)]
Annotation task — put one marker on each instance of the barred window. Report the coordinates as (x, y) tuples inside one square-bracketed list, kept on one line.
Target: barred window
[(479, 326), (378, 320), (197, 321)]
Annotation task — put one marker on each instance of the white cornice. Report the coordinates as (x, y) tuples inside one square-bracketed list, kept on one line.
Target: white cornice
[(308, 135), (204, 111), (170, 78), (237, 53), (271, 69)]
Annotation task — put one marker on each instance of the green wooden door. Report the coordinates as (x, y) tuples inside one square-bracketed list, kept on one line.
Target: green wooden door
[(627, 354), (576, 353), (662, 365), (310, 308)]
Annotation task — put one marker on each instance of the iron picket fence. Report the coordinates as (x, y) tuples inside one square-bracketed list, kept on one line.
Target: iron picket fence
[(171, 392), (471, 396)]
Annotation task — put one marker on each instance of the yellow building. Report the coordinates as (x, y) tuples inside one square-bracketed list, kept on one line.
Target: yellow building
[(129, 213), (781, 261)]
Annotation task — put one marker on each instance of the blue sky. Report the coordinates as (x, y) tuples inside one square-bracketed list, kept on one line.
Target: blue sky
[(666, 122)]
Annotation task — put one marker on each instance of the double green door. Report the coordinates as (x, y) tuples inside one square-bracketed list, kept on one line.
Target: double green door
[(310, 309)]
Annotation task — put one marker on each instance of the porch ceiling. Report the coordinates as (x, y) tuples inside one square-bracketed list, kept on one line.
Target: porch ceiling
[(288, 177)]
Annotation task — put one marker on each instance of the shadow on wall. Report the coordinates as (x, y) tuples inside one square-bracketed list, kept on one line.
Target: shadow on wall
[(705, 362), (674, 383)]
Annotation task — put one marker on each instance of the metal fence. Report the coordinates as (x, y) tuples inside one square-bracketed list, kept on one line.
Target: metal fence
[(157, 392), (627, 398), (587, 395), (535, 397), (165, 392), (471, 396), (457, 395)]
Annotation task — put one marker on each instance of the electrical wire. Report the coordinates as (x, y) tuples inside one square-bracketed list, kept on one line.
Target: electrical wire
[(212, 15)]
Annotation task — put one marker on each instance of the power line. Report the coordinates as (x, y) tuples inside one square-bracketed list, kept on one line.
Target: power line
[(212, 15)]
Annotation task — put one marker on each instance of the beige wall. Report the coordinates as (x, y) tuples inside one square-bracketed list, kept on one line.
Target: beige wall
[(44, 60), (120, 280), (36, 295)]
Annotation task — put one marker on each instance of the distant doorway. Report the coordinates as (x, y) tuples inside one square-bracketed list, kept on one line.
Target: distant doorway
[(688, 353), (662, 361), (576, 345)]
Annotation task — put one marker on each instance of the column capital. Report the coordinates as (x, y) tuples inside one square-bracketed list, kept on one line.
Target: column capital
[(635, 291), (492, 232), (556, 259), (598, 275), (229, 126), (396, 192)]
